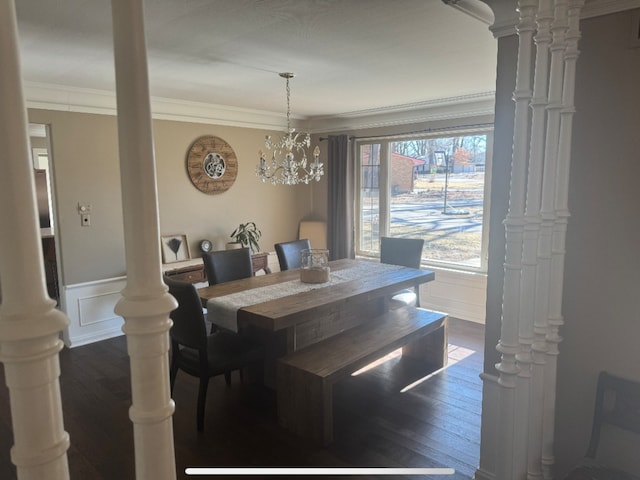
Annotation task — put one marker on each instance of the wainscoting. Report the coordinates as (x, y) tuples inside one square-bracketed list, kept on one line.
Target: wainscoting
[(89, 307), (460, 294)]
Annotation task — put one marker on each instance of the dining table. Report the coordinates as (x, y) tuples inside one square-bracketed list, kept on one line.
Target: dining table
[(285, 314)]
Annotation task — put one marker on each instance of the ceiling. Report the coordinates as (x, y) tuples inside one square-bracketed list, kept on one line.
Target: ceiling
[(349, 56)]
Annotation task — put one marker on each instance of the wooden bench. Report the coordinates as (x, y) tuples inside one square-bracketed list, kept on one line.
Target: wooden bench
[(305, 378)]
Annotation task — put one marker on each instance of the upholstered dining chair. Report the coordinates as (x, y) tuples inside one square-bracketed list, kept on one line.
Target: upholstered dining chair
[(226, 265), (201, 355), (289, 253), (406, 252)]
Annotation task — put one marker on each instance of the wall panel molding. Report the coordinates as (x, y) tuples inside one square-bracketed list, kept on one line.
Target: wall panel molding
[(459, 294), (89, 307)]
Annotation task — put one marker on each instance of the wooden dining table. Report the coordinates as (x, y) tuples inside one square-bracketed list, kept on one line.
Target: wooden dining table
[(286, 315)]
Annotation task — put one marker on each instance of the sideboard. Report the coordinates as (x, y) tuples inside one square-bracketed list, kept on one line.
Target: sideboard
[(193, 271)]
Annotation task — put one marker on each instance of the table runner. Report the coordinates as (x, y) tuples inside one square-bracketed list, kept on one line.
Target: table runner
[(222, 311)]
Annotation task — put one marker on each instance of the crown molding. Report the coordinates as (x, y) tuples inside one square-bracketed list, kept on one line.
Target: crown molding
[(506, 15), (83, 100), (434, 110), (99, 102)]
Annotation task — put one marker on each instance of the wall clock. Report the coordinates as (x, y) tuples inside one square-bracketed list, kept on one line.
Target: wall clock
[(212, 165), (206, 246)]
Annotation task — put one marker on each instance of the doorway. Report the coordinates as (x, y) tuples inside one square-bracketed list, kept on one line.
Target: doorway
[(43, 169)]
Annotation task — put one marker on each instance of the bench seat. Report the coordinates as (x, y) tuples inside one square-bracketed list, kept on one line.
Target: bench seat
[(305, 378)]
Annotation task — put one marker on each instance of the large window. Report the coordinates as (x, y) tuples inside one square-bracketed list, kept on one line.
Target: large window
[(431, 187)]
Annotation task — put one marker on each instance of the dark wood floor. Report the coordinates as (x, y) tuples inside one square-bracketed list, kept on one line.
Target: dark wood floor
[(434, 424)]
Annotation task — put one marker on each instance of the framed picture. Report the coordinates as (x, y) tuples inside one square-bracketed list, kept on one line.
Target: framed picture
[(175, 248)]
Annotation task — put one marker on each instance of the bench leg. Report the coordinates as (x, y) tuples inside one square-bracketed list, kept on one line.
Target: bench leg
[(305, 404), (430, 349)]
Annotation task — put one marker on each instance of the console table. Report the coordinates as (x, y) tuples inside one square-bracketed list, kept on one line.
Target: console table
[(260, 261), (193, 271)]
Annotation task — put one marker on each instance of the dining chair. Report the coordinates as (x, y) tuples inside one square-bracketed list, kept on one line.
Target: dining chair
[(226, 265), (289, 253), (201, 355), (615, 432), (406, 252)]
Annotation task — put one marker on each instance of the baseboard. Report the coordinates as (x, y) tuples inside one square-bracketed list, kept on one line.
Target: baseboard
[(89, 307)]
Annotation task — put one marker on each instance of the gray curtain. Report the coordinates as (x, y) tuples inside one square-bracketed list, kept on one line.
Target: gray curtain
[(341, 198)]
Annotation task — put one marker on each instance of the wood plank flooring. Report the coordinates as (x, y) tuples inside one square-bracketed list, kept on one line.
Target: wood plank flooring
[(436, 423)]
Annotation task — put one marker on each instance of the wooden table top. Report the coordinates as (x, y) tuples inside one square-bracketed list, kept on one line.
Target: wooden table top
[(290, 310)]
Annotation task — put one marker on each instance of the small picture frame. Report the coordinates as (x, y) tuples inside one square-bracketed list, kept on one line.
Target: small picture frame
[(175, 248)]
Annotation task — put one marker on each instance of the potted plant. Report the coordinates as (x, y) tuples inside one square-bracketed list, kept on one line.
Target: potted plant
[(246, 235)]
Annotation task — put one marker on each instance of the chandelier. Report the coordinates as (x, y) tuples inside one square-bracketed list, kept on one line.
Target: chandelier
[(289, 164)]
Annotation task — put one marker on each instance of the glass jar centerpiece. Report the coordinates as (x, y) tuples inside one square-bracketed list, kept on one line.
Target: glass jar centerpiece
[(314, 265)]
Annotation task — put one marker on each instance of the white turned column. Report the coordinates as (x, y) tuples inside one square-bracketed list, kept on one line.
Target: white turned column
[(514, 225), (30, 325), (555, 319), (529, 407), (548, 211), (146, 303), (535, 238)]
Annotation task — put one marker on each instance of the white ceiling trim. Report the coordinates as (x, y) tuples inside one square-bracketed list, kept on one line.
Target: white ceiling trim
[(82, 100), (437, 110)]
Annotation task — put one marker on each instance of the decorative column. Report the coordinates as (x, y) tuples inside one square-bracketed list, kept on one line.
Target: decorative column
[(526, 423), (545, 283), (146, 303), (514, 225), (534, 281), (555, 321), (30, 325), (535, 239)]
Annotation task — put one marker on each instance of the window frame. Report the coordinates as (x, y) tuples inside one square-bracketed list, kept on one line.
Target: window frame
[(384, 207)]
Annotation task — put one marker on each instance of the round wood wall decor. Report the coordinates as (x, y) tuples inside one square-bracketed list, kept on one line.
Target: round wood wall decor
[(212, 165)]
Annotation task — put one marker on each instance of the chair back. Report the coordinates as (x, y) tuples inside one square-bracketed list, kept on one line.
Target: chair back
[(617, 405), (189, 328), (406, 252), (289, 253), (226, 265)]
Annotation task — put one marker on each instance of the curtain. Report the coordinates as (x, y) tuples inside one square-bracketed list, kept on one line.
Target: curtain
[(341, 198)]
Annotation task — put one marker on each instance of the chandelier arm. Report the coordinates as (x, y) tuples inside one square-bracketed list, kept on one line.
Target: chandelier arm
[(288, 170)]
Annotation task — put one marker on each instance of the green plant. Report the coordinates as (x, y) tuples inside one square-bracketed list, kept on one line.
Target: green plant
[(248, 235)]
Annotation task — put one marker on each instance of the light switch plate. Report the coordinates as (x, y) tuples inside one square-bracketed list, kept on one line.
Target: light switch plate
[(84, 208)]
